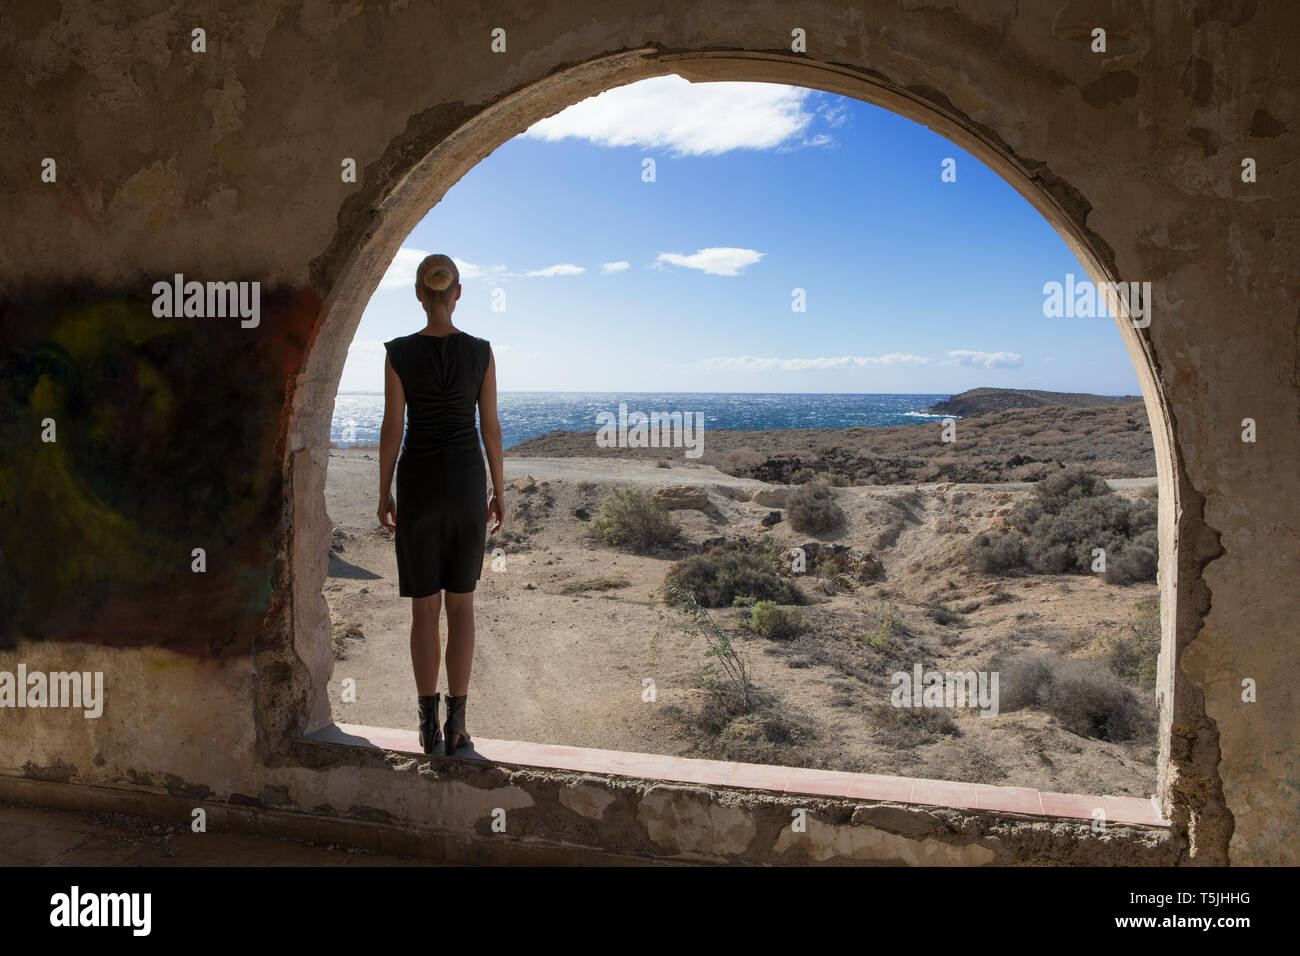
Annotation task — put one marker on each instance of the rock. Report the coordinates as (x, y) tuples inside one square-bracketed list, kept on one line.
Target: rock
[(858, 565), (773, 517), (336, 539), (771, 497), (524, 484), (530, 586), (582, 514), (675, 497)]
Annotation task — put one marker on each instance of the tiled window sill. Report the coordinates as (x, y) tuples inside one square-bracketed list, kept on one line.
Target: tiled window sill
[(790, 780)]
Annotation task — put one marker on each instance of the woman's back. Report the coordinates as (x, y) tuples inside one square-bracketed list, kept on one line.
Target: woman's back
[(441, 377)]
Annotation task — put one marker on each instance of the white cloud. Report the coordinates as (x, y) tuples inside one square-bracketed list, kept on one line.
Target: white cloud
[(609, 268), (401, 271), (985, 359), (469, 270), (689, 119), (564, 269), (751, 363), (834, 112), (717, 260)]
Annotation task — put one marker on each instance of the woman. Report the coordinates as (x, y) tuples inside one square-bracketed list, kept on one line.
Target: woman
[(437, 376)]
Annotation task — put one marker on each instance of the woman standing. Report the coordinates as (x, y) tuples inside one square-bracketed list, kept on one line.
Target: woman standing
[(436, 377)]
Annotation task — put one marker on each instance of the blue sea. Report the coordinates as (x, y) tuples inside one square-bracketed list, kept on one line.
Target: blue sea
[(358, 415)]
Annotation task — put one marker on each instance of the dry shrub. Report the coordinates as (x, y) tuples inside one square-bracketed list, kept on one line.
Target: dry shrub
[(734, 570), (1087, 700), (770, 620), (633, 519), (1133, 648), (811, 509)]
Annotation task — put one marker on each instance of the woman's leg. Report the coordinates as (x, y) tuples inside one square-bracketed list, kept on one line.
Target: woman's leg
[(460, 641), (425, 644)]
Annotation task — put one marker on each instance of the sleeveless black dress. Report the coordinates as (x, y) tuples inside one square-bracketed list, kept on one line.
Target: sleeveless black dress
[(441, 481)]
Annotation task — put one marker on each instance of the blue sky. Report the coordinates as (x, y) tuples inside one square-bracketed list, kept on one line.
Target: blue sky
[(610, 283)]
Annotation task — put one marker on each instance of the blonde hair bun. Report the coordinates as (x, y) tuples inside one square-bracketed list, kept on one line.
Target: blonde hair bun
[(438, 280), (437, 273)]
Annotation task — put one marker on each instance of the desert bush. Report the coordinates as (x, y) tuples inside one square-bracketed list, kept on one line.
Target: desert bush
[(811, 509), (885, 633), (719, 576), (770, 620), (1133, 564), (1087, 700), (994, 552), (1063, 541), (1133, 648), (943, 616), (1069, 484), (633, 519), (1071, 513)]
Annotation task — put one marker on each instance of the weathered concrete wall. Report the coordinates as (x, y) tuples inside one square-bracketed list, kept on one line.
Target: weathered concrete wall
[(224, 165)]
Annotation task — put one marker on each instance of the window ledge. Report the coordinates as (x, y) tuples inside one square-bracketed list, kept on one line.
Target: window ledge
[(1138, 811)]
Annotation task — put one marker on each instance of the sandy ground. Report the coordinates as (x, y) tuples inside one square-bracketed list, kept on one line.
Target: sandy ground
[(559, 659)]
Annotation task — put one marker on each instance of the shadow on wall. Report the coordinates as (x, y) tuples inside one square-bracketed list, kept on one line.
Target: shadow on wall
[(167, 436)]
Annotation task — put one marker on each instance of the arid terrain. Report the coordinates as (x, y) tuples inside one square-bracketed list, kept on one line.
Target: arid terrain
[(569, 628), (1010, 445)]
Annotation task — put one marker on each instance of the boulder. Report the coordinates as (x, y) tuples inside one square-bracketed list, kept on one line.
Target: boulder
[(524, 484), (675, 497), (861, 566), (771, 497)]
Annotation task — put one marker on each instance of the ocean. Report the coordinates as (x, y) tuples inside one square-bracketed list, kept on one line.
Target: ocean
[(358, 415)]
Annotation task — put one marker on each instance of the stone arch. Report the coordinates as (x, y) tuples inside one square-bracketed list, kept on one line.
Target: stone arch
[(443, 143)]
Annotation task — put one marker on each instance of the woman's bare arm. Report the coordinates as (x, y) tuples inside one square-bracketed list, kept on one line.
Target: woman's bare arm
[(390, 440), (490, 428)]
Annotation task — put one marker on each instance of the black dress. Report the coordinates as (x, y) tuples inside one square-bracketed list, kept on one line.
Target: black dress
[(441, 481)]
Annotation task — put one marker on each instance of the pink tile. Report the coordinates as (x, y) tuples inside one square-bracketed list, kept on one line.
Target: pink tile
[(821, 783), (497, 751), (758, 777), (944, 793), (559, 757), (690, 770), (1074, 805), (650, 766), (1139, 810), (405, 741), (870, 786), (1008, 799)]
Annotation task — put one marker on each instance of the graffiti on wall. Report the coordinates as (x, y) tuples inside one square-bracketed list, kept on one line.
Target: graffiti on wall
[(141, 492)]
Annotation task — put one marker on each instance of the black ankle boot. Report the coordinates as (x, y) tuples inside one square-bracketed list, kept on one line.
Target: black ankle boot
[(430, 733), (455, 725)]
